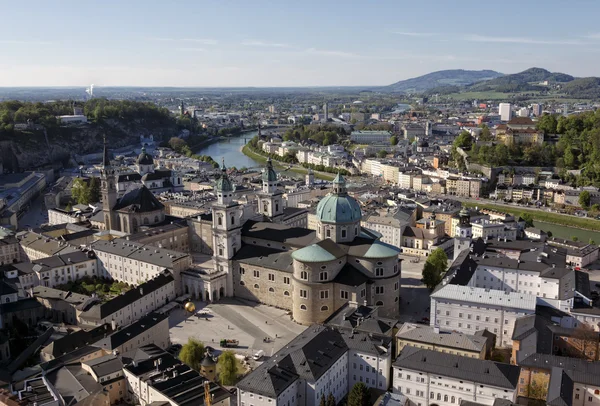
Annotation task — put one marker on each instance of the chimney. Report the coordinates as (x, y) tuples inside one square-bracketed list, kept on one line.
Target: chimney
[(113, 325), (436, 330), (142, 291)]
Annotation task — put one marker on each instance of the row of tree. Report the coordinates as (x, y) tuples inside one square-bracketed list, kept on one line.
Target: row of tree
[(228, 367), (322, 134), (181, 146)]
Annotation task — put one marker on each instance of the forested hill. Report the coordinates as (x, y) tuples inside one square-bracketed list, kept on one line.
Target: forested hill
[(522, 81), (121, 121), (443, 78)]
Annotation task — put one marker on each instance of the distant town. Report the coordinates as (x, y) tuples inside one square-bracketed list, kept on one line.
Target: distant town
[(300, 247)]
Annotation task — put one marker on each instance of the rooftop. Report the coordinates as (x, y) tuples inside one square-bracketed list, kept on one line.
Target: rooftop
[(427, 334)]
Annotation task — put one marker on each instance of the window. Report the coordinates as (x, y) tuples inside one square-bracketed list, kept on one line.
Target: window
[(343, 233), (286, 280), (445, 398), (219, 221), (324, 308), (256, 274), (272, 277), (286, 293), (221, 251), (452, 399), (232, 220), (303, 293), (271, 290), (328, 233), (256, 286), (242, 283), (379, 290), (323, 276), (242, 270), (343, 294), (379, 303), (324, 294), (304, 275), (302, 307), (378, 271)]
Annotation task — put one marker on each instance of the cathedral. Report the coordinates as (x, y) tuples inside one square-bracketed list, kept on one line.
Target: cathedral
[(309, 273)]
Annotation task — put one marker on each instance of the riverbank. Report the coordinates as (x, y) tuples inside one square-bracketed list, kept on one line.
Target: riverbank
[(262, 159), (583, 223)]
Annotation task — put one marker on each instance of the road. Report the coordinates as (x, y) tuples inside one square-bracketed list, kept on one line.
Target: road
[(36, 215)]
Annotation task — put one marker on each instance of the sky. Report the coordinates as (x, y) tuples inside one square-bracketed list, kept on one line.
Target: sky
[(287, 42)]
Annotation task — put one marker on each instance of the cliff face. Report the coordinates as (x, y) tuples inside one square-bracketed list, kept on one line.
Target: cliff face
[(33, 149)]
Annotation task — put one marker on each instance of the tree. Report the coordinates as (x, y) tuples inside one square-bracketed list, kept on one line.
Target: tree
[(584, 199), (528, 219), (330, 400), (434, 268), (485, 134), (595, 207), (359, 395), (538, 390), (228, 368), (464, 140), (394, 140), (591, 241), (94, 190), (586, 341), (81, 191), (192, 353), (382, 153), (322, 402), (574, 238)]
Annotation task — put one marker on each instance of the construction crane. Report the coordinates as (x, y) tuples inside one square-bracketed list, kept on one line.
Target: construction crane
[(207, 400)]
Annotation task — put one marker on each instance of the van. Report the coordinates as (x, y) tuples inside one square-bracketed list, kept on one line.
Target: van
[(258, 355)]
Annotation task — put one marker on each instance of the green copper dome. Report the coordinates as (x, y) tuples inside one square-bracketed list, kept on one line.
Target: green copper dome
[(269, 174), (145, 158), (224, 183), (338, 207)]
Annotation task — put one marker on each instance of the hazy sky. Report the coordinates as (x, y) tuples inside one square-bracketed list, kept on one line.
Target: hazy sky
[(287, 43)]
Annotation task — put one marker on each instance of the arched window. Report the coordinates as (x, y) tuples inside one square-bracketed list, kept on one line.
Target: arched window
[(276, 207), (155, 219), (271, 290), (242, 283), (232, 220), (265, 207), (379, 303), (452, 399), (256, 286), (304, 275), (445, 398), (219, 221), (302, 307), (146, 221), (324, 308), (323, 276), (439, 396), (286, 293)]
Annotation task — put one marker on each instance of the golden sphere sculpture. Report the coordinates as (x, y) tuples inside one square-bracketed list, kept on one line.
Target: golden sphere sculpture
[(190, 307)]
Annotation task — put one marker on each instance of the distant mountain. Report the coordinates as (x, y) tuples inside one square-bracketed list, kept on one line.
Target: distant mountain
[(527, 80), (588, 88), (442, 79)]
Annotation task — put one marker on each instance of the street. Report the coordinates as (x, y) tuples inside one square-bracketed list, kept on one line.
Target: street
[(36, 215)]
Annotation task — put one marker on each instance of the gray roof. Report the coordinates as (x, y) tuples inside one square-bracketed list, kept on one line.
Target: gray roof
[(455, 366), (132, 331), (103, 310), (308, 357), (361, 318), (560, 388), (75, 340), (73, 383), (293, 236), (265, 257), (105, 365), (485, 296), (579, 370), (57, 294), (427, 334), (161, 257)]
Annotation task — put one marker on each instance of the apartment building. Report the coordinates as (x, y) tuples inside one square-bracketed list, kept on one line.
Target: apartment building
[(487, 229), (150, 329), (469, 310), (133, 263), (453, 342), (133, 304), (158, 378), (428, 377), (390, 226), (36, 246), (10, 251), (370, 137), (319, 361), (56, 270)]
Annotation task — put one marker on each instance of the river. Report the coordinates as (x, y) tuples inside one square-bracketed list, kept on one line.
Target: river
[(230, 149), (568, 232)]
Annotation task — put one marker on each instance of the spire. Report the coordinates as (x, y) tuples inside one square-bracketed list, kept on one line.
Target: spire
[(223, 168), (105, 159), (339, 184)]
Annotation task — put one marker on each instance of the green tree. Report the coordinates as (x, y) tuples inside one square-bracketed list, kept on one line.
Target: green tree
[(592, 241), (330, 400), (94, 190), (464, 140), (547, 123), (80, 191), (574, 238), (228, 368), (595, 207), (528, 218), (322, 402), (584, 199), (359, 395), (382, 153), (192, 353), (485, 134), (394, 140), (434, 268)]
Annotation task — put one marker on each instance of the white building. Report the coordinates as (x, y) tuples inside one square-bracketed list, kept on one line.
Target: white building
[(505, 111), (371, 137), (469, 309), (320, 361), (491, 229), (151, 329), (428, 377)]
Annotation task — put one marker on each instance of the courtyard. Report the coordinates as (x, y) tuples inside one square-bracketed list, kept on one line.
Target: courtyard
[(231, 318)]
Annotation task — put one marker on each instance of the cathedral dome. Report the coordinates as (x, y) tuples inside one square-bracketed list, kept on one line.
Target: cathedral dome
[(224, 183), (269, 174), (145, 158), (338, 207)]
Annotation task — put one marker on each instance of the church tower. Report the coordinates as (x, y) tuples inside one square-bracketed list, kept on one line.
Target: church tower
[(226, 229), (310, 178), (270, 199), (108, 190)]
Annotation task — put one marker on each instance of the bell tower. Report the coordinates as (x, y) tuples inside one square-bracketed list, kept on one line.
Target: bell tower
[(270, 199), (108, 190), (227, 217)]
